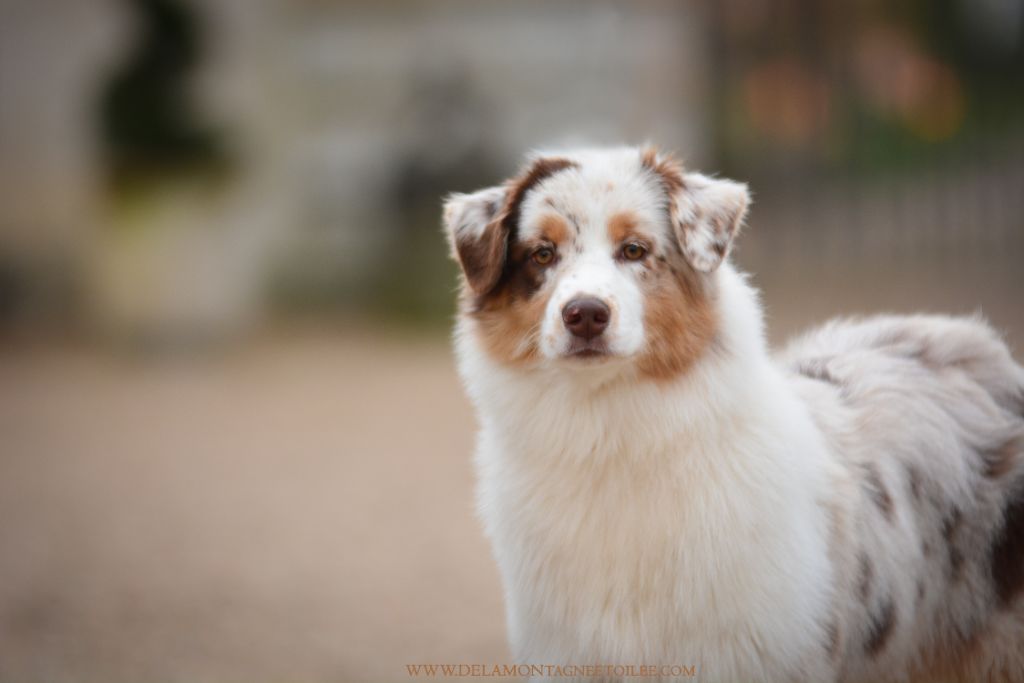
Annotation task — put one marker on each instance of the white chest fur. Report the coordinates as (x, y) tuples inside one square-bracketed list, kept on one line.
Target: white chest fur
[(627, 534), (636, 523)]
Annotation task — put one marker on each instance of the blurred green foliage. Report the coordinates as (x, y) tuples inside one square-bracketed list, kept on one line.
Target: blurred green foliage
[(150, 130)]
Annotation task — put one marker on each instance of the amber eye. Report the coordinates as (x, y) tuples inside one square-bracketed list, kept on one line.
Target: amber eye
[(543, 256), (634, 251)]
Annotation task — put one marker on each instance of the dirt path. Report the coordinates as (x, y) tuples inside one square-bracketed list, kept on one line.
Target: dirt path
[(301, 511)]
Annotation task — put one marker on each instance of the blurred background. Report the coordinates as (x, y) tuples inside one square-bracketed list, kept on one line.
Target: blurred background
[(232, 443)]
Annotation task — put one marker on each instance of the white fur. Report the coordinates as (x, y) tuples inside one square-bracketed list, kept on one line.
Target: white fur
[(688, 522), (699, 497)]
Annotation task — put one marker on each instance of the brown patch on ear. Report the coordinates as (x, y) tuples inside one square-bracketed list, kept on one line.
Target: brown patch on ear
[(483, 253), (621, 226), (554, 229), (667, 168), (477, 241), (679, 320), (506, 224), (705, 213), (483, 257)]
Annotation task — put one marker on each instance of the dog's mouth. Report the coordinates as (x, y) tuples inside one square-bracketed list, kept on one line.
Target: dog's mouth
[(587, 350)]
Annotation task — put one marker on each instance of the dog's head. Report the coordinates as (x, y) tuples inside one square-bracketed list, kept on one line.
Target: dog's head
[(594, 257)]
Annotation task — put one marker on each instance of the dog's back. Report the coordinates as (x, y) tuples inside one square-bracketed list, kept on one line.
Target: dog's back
[(926, 415)]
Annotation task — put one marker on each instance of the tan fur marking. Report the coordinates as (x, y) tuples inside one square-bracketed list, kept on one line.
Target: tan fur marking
[(509, 318), (622, 226), (554, 229), (668, 169), (509, 328), (509, 314), (669, 172), (679, 320)]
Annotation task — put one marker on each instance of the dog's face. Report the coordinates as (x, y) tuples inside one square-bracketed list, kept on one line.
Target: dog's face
[(595, 257)]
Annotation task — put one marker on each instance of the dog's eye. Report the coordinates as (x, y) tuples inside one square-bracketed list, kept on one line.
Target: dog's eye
[(543, 256), (634, 251)]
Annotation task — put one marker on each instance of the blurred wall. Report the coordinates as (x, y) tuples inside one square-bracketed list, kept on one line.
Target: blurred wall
[(51, 53), (346, 122), (400, 103), (867, 130)]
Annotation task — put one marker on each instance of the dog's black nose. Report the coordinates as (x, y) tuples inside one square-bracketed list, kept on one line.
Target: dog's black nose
[(586, 318)]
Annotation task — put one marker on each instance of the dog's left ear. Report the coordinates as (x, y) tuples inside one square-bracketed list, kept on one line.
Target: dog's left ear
[(708, 214), (477, 236)]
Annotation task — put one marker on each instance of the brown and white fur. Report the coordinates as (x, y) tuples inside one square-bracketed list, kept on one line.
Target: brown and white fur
[(668, 492)]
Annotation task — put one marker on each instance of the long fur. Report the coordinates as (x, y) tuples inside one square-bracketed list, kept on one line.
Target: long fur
[(850, 510)]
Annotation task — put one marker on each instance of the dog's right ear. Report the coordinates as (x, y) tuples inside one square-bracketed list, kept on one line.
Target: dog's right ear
[(706, 213), (477, 235)]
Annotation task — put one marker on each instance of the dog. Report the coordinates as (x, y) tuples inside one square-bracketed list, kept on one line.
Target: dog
[(661, 490)]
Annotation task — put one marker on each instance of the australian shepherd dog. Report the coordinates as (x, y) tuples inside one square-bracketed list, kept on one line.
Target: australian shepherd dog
[(661, 490)]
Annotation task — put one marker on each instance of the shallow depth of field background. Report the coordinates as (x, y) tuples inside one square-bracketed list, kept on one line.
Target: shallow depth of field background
[(232, 443)]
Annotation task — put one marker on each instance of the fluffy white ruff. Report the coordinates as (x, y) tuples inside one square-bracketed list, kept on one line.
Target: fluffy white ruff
[(637, 522)]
